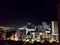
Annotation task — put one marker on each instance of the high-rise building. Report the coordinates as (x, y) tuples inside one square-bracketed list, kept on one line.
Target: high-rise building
[(54, 28)]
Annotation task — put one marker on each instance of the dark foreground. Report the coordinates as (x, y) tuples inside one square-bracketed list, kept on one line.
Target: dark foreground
[(27, 43)]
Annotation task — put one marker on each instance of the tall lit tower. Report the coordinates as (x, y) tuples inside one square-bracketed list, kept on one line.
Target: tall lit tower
[(54, 28)]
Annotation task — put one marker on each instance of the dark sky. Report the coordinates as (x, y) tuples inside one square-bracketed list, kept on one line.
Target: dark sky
[(20, 12)]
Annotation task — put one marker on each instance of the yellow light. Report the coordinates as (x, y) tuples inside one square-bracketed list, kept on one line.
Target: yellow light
[(50, 41), (11, 38)]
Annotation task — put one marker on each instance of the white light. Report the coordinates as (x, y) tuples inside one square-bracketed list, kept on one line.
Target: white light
[(57, 41), (38, 40), (21, 28), (47, 31), (33, 33), (27, 40), (24, 39), (16, 39), (52, 27), (40, 33), (32, 40)]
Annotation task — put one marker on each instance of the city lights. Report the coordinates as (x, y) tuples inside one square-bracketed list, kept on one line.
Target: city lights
[(38, 34)]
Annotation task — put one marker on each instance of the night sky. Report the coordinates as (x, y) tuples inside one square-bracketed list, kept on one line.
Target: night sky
[(15, 13)]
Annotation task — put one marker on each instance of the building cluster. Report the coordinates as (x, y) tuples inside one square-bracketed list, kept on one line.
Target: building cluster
[(29, 32)]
